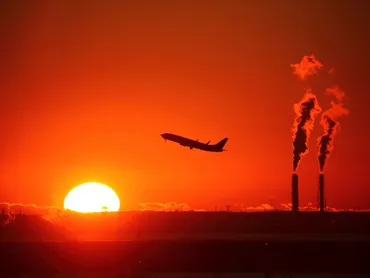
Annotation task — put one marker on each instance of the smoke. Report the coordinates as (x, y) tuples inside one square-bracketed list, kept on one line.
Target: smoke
[(330, 124), (306, 110), (337, 93), (307, 67)]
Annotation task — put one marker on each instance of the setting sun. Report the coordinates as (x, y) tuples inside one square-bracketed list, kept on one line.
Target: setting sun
[(92, 197)]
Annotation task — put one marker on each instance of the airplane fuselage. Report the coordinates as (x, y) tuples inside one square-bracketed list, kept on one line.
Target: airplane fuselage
[(183, 141)]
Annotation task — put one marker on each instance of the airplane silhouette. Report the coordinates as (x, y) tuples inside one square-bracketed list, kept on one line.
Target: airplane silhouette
[(194, 143)]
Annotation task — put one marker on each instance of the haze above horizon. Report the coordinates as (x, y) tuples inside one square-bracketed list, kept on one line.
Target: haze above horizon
[(87, 90)]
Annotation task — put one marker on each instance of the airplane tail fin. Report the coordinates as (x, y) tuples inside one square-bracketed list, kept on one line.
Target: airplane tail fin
[(222, 143)]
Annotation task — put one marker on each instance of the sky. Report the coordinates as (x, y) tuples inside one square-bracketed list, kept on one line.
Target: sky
[(87, 87)]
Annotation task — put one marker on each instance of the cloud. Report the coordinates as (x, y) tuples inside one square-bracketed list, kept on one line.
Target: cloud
[(286, 207), (262, 207), (29, 209), (171, 206), (50, 213), (268, 207), (308, 207), (9, 211)]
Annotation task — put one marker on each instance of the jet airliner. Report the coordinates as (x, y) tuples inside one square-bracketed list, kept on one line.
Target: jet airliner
[(195, 143)]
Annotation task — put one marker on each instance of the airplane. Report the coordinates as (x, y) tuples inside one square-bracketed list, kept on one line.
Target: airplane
[(195, 144)]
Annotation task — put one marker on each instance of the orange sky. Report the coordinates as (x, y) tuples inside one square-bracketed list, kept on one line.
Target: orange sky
[(87, 89)]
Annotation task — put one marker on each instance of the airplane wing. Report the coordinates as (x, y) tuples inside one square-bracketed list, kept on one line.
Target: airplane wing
[(208, 142)]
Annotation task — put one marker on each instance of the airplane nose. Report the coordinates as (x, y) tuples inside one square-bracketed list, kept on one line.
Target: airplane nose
[(163, 135)]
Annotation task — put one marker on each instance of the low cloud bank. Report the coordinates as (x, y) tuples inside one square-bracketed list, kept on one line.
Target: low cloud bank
[(170, 206), (8, 211)]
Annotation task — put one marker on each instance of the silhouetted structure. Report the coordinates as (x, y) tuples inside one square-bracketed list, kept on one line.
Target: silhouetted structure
[(295, 193), (322, 204)]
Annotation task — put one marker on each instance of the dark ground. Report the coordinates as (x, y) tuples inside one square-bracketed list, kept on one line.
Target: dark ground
[(185, 256), (188, 242)]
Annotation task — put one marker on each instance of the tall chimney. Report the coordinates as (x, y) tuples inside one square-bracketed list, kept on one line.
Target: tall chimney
[(321, 193), (295, 194)]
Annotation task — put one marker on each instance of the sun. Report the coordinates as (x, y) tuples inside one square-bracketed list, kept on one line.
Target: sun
[(92, 197)]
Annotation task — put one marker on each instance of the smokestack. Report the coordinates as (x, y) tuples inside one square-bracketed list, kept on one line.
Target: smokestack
[(295, 194), (321, 193)]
